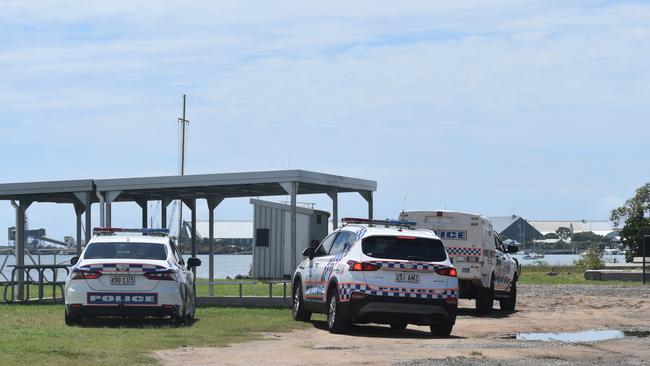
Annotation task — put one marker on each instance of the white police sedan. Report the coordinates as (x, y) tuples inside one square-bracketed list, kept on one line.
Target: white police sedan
[(130, 275)]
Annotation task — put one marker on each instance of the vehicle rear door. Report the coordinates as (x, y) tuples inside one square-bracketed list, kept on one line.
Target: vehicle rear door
[(406, 266)]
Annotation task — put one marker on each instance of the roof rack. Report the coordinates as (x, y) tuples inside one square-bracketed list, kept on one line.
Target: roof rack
[(144, 231), (386, 223)]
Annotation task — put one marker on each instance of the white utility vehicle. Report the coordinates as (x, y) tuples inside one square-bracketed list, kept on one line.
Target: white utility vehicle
[(486, 271), (130, 275), (377, 271)]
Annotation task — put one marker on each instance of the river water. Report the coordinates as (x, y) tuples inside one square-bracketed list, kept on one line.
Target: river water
[(233, 265), (224, 265)]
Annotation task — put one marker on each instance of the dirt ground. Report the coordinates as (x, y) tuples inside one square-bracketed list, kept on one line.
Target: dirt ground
[(475, 340)]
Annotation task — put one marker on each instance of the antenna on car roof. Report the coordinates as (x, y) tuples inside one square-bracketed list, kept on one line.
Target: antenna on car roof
[(408, 186)]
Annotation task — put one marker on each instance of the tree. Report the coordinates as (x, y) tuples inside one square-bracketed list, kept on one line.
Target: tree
[(551, 236), (587, 236), (631, 214), (563, 232), (593, 259)]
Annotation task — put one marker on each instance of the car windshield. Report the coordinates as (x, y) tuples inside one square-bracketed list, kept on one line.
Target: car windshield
[(126, 251), (404, 247)]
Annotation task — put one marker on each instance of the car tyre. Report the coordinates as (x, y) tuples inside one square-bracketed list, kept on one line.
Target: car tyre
[(299, 312), (72, 318), (441, 330), (336, 320), (510, 302), (398, 325), (191, 309), (485, 299), (177, 318)]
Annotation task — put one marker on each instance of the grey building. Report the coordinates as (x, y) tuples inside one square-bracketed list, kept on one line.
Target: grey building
[(272, 255)]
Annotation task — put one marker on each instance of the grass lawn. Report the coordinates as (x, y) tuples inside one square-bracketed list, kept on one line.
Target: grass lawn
[(36, 334), (537, 275)]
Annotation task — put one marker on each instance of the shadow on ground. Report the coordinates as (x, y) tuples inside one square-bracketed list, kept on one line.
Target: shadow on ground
[(380, 331), (495, 314), (110, 322)]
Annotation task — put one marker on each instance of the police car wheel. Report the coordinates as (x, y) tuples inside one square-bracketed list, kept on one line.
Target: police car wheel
[(398, 325), (72, 318), (441, 330), (509, 303), (485, 299), (191, 311), (299, 312), (177, 318), (336, 320)]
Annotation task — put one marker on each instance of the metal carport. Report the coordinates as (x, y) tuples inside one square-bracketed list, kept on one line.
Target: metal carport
[(214, 188)]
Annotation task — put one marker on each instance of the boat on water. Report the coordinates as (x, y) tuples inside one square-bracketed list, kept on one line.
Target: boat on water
[(533, 256)]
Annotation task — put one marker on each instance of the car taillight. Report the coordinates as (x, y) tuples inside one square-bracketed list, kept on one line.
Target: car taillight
[(161, 276), (85, 275), (447, 271), (362, 266)]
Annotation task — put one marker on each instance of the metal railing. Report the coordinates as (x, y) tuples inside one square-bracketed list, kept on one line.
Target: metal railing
[(18, 288), (241, 285)]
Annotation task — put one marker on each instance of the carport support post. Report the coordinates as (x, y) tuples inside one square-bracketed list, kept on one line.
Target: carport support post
[(88, 218), (164, 203), (109, 197), (191, 203), (85, 199), (79, 210), (213, 202), (143, 205), (21, 207), (292, 189), (335, 209), (367, 195)]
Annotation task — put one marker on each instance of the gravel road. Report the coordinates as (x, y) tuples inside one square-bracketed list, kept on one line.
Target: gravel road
[(475, 340)]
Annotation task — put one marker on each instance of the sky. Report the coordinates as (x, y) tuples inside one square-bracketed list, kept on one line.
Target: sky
[(534, 108)]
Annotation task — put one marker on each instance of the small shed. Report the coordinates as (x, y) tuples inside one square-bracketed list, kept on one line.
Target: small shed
[(272, 256)]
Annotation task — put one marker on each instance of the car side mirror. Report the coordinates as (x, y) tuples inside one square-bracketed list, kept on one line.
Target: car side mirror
[(74, 260), (308, 252), (193, 262), (512, 249)]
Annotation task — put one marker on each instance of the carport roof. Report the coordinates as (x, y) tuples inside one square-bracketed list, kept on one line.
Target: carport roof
[(247, 184), (54, 191)]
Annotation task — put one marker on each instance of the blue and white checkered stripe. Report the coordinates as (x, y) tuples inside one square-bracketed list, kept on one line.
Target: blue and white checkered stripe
[(412, 266), (346, 290), (464, 251), (112, 267)]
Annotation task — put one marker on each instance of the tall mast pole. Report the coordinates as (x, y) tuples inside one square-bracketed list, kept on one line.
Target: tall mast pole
[(184, 122)]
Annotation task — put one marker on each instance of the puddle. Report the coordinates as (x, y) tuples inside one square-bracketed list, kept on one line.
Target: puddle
[(333, 348), (574, 337)]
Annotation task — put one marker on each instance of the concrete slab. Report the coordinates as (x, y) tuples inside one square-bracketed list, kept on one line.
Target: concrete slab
[(615, 275)]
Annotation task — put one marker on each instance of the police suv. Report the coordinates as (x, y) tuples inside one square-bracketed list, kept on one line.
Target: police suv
[(486, 270), (130, 275), (379, 271)]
